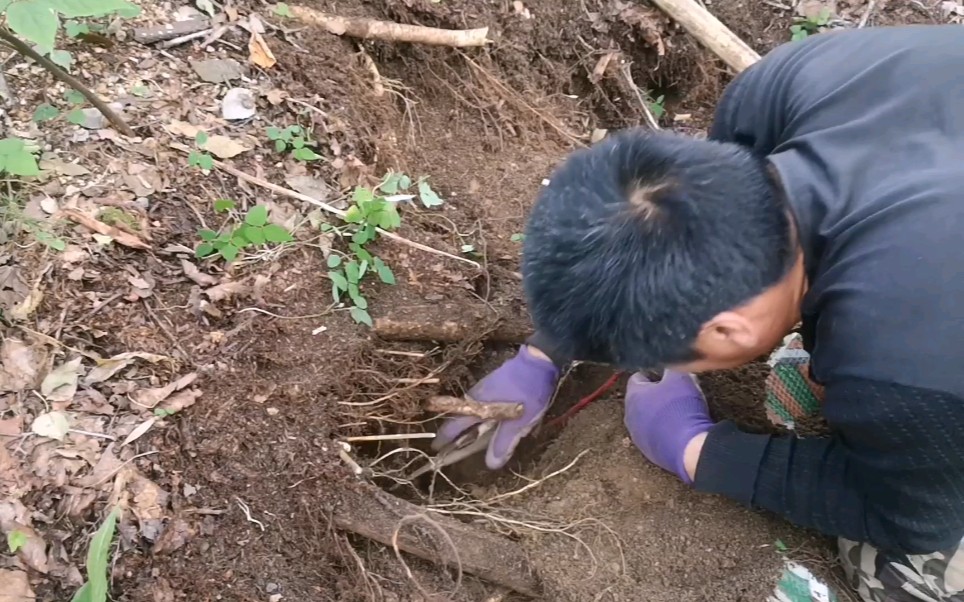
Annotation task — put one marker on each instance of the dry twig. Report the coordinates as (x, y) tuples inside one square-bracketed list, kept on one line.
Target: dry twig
[(368, 29), (469, 407)]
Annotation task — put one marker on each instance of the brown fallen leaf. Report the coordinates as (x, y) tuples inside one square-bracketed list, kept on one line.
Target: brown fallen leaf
[(226, 290), (260, 53), (111, 366), (223, 147), (103, 471), (139, 431), (125, 238), (33, 552), (648, 22), (149, 398), (19, 363), (148, 502), (180, 400), (177, 533), (15, 585), (192, 272)]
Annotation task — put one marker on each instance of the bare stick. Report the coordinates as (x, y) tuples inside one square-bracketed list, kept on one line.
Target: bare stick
[(867, 12), (368, 29), (420, 323), (170, 31), (184, 39), (372, 513), (469, 407), (643, 103), (710, 32), (68, 79), (330, 209)]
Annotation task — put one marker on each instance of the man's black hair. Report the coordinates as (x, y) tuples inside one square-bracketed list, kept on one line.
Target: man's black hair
[(637, 242)]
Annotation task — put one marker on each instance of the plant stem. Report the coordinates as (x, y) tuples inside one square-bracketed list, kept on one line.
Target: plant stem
[(24, 49)]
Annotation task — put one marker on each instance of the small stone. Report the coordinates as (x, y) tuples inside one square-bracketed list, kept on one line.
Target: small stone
[(271, 588), (238, 103), (272, 411)]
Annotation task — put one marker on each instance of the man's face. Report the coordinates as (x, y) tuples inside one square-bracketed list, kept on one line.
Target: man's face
[(743, 335)]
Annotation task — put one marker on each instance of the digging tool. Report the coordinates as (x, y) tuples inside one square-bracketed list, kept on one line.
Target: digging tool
[(471, 441)]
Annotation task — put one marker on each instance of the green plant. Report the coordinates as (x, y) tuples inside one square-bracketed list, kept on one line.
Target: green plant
[(518, 237), (656, 107), (371, 209), (199, 158), (98, 556), (282, 10), (38, 21), (17, 159), (295, 138), (250, 230), (16, 540), (12, 216), (809, 25)]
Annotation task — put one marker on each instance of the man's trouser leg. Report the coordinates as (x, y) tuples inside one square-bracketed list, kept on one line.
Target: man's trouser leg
[(876, 576)]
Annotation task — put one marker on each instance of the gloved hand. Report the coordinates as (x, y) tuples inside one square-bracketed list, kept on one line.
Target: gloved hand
[(524, 379), (663, 417)]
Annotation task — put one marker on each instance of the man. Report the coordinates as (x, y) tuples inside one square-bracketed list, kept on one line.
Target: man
[(830, 190)]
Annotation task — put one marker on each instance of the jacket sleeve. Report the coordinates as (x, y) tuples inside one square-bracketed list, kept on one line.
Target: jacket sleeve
[(892, 473)]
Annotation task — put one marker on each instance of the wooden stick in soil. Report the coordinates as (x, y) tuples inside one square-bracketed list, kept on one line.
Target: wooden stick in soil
[(372, 513), (368, 29), (68, 79), (710, 32), (170, 31), (466, 406)]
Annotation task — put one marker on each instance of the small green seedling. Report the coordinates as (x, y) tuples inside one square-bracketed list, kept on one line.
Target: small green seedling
[(252, 231), (282, 10), (657, 106), (810, 25), (199, 158), (98, 559), (371, 209), (12, 216), (16, 540), (45, 112), (295, 139), (518, 237)]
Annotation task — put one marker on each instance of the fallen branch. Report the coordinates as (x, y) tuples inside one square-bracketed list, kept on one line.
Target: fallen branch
[(170, 31), (710, 32), (466, 406), (374, 514), (51, 67), (369, 29), (420, 323), (119, 236), (326, 207)]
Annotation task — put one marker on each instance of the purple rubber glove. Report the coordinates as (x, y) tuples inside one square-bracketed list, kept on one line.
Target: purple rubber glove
[(663, 417), (524, 379)]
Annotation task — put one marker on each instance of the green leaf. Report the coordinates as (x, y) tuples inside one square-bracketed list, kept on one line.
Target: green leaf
[(334, 260), (74, 97), (194, 159), (11, 146), (404, 182), (257, 216), (517, 237), (54, 242), (275, 233), (255, 235), (388, 219), (361, 316), (229, 252), (207, 235), (16, 540), (362, 269), (427, 195), (282, 10), (356, 298), (273, 133), (34, 20), (362, 195), (22, 164), (280, 146), (140, 91), (203, 250), (206, 161), (62, 58), (77, 117), (384, 272), (362, 254), (391, 183), (335, 293), (98, 557), (780, 546), (83, 594), (353, 215), (298, 142), (222, 205), (352, 272), (73, 9), (201, 139), (339, 280), (305, 154), (362, 236), (45, 112), (74, 29), (292, 130)]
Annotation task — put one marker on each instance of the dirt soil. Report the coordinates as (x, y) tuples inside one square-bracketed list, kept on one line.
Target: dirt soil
[(230, 486)]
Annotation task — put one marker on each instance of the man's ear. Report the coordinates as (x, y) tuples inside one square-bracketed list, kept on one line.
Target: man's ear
[(728, 329)]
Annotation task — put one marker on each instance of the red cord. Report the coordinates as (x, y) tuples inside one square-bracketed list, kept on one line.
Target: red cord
[(585, 401)]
